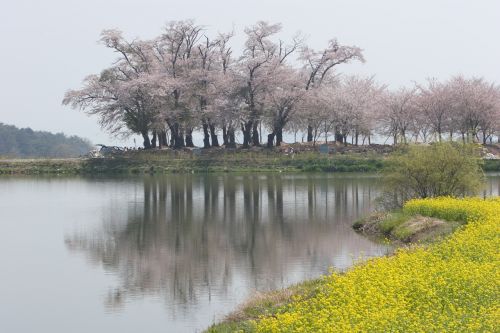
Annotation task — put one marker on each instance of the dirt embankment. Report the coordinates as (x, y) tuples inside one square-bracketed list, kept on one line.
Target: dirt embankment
[(398, 227)]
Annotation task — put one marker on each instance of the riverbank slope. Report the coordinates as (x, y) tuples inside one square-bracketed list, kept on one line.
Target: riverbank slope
[(170, 161), (340, 159), (449, 286)]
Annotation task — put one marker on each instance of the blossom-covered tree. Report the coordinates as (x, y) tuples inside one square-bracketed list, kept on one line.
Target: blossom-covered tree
[(318, 65), (397, 115), (281, 102), (475, 107), (120, 95), (357, 99), (185, 80)]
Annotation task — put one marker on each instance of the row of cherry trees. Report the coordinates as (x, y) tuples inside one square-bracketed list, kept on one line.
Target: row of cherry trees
[(467, 108), (183, 81)]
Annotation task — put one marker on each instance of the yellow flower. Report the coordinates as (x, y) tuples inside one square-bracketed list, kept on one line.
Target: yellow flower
[(451, 286)]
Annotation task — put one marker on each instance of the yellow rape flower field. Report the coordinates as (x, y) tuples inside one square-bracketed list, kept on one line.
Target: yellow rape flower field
[(450, 286)]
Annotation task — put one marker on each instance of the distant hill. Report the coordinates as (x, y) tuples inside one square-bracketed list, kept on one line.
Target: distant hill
[(24, 142)]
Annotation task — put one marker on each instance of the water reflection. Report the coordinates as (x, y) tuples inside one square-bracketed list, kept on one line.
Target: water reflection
[(492, 186), (199, 241), (172, 253)]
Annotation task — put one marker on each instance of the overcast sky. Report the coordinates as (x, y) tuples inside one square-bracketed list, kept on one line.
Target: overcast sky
[(49, 46)]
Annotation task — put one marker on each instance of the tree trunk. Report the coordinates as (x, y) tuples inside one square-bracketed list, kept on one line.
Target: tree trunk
[(255, 134), (309, 133), (213, 135), (224, 135), (172, 138), (246, 129), (279, 136), (146, 142), (162, 139), (206, 135), (179, 140), (270, 140), (189, 138), (231, 138), (260, 132), (177, 136), (153, 140), (339, 137)]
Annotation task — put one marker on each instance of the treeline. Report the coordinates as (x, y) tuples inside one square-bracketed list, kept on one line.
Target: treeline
[(183, 81), (24, 142)]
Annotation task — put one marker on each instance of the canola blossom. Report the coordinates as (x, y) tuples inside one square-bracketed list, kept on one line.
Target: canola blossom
[(450, 286)]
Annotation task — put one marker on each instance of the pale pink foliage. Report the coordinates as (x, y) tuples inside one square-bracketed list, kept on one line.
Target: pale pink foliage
[(184, 80)]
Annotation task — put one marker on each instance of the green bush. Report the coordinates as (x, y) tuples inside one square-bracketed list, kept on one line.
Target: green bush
[(491, 165), (440, 169)]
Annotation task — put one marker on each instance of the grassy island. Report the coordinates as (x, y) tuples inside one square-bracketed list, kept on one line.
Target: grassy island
[(200, 160), (340, 159)]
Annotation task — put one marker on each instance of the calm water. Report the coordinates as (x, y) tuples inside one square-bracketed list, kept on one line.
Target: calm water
[(172, 253)]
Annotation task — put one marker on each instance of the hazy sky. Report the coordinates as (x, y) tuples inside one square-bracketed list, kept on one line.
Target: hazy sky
[(49, 46)]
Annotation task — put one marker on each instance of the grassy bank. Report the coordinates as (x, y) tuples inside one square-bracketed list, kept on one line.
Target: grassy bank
[(67, 166), (158, 162), (448, 286), (403, 227), (137, 162), (491, 165)]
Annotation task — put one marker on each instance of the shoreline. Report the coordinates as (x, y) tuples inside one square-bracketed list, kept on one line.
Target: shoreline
[(399, 228), (160, 162), (166, 162), (282, 310), (269, 303)]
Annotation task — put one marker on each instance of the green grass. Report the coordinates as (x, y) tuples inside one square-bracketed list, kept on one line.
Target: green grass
[(491, 165), (265, 304), (405, 226), (41, 166), (392, 221), (158, 162)]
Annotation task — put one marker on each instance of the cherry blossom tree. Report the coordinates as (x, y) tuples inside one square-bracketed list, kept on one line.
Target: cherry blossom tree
[(475, 107), (185, 81), (255, 68), (119, 96), (318, 65), (434, 104), (397, 114), (357, 100), (174, 51), (281, 102)]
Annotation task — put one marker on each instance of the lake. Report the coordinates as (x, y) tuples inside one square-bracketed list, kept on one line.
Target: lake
[(171, 253)]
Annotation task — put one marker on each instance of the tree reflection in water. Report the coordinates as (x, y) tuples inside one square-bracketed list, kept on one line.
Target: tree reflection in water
[(193, 239)]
